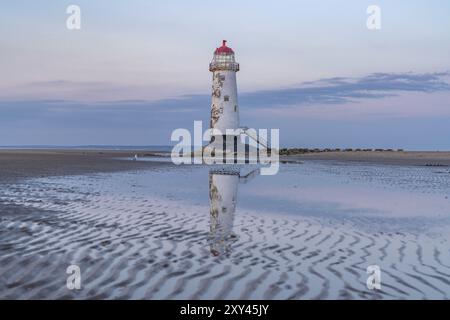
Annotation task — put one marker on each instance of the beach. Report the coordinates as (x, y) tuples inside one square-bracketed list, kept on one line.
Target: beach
[(416, 158), (148, 229), (29, 163)]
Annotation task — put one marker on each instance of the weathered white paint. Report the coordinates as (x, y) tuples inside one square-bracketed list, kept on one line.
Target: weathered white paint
[(225, 88), (224, 104)]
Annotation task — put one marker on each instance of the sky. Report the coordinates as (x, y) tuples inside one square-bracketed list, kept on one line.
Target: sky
[(138, 69)]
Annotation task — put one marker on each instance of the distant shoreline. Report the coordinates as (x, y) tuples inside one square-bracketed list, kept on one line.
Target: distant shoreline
[(416, 158), (89, 147)]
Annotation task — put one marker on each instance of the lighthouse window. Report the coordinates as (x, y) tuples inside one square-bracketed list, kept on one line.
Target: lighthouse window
[(226, 98), (222, 77), (235, 108)]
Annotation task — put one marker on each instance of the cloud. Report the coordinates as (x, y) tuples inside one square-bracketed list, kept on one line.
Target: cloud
[(131, 118), (342, 90), (333, 91), (328, 91), (337, 90)]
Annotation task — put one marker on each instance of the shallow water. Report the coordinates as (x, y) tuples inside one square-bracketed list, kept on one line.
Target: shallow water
[(310, 231)]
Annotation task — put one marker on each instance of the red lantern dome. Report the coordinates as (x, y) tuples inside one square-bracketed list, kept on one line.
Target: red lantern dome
[(224, 49)]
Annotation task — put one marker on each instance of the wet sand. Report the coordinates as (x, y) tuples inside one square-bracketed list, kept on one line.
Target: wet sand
[(142, 244), (23, 164)]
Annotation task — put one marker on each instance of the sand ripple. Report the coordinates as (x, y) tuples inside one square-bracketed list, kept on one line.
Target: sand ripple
[(136, 246)]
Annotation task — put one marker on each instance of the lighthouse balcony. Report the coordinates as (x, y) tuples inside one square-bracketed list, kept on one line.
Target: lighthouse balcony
[(221, 65)]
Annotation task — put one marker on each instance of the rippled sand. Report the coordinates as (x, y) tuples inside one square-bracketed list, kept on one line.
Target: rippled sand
[(146, 234)]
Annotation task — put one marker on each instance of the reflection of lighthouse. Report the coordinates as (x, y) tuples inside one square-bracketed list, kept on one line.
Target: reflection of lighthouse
[(223, 187)]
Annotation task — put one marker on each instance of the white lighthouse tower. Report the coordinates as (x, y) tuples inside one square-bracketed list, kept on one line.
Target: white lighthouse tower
[(224, 104)]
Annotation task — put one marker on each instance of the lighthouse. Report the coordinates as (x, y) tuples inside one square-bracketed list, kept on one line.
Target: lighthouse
[(224, 104), (224, 100)]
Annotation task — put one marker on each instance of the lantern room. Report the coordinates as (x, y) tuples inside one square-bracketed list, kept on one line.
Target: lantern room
[(223, 59)]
